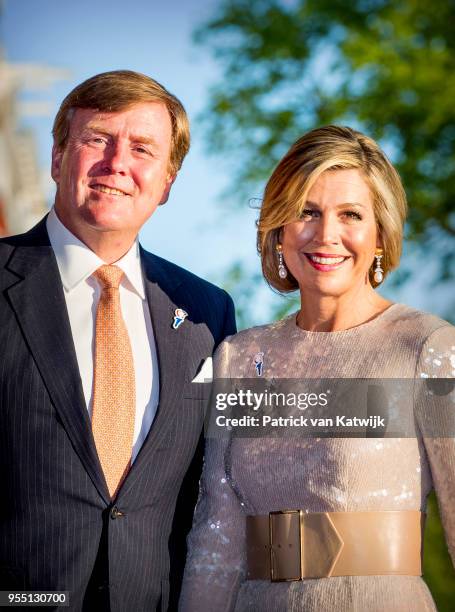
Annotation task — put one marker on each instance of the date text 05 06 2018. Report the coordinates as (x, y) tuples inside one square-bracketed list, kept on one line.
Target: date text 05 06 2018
[(34, 598)]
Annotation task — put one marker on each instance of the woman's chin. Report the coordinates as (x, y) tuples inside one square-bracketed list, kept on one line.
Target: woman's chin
[(326, 287)]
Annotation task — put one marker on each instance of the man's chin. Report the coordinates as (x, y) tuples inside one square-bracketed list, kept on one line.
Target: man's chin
[(107, 221)]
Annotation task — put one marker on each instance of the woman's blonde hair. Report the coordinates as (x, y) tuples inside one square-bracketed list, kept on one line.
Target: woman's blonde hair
[(329, 148), (117, 90)]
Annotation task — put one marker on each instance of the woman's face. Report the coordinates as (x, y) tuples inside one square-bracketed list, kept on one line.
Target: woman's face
[(330, 249)]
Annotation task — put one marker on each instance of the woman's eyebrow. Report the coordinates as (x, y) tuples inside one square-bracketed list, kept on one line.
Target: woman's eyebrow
[(342, 205)]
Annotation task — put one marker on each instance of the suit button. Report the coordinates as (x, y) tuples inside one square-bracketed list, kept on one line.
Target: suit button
[(116, 513)]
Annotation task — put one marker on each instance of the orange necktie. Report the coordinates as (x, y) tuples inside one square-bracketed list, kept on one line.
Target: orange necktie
[(114, 387)]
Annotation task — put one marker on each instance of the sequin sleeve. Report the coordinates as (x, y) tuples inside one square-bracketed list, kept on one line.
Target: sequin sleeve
[(435, 410), (216, 544)]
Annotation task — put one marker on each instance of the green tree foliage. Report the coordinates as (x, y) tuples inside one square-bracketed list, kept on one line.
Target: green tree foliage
[(437, 567), (384, 66)]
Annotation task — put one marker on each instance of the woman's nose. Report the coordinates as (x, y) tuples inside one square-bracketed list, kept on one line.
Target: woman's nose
[(326, 230)]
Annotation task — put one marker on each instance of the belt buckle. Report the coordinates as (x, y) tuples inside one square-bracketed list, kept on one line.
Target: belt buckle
[(286, 545)]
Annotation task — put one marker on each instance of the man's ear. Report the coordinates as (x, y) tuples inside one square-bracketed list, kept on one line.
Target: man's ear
[(57, 155), (167, 189)]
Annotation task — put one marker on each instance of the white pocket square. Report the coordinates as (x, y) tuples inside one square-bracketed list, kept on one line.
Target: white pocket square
[(205, 374)]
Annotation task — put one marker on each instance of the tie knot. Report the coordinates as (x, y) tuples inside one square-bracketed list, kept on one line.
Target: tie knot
[(109, 276)]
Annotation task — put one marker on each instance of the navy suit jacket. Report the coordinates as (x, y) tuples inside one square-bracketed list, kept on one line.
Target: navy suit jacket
[(59, 530)]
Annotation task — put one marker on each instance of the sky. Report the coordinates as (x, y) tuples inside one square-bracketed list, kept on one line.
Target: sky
[(197, 229), (194, 229)]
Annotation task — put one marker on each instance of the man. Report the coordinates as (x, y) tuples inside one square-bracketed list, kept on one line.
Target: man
[(100, 343)]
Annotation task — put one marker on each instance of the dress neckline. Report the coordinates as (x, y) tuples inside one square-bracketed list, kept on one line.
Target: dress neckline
[(343, 332)]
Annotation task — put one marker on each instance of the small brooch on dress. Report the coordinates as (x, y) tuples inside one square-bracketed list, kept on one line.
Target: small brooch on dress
[(258, 362)]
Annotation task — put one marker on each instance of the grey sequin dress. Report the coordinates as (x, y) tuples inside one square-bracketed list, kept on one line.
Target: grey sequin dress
[(256, 476)]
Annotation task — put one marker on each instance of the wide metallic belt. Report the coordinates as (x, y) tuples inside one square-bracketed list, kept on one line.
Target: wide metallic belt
[(293, 545)]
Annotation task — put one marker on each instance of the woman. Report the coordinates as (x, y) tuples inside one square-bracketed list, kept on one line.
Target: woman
[(331, 226)]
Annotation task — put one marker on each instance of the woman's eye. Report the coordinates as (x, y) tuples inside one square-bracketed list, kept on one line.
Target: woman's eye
[(352, 214), (308, 213)]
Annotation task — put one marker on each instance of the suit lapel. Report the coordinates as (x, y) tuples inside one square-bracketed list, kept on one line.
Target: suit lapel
[(172, 349), (39, 303)]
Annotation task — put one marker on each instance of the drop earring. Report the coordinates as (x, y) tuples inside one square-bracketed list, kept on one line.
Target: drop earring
[(282, 272), (378, 271)]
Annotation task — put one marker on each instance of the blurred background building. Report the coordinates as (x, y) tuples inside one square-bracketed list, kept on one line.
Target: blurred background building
[(22, 197)]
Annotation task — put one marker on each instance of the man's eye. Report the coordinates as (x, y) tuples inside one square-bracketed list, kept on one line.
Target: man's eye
[(98, 140), (140, 149)]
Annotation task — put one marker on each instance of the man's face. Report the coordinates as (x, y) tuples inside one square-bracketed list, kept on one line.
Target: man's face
[(114, 169)]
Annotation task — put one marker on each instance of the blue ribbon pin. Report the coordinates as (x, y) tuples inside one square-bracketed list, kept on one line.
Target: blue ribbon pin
[(179, 316)]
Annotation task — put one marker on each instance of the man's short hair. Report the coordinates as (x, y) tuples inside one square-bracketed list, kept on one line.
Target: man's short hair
[(117, 90)]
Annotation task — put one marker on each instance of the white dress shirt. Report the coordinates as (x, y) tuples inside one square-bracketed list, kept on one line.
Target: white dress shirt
[(76, 264)]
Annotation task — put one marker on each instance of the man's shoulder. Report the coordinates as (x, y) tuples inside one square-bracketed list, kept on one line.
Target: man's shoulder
[(157, 267), (203, 301), (7, 245), (35, 237)]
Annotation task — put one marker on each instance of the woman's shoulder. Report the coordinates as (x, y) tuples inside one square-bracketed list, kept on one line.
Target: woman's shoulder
[(256, 334), (430, 338), (417, 322)]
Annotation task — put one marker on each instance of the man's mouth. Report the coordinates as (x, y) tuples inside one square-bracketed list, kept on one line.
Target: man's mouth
[(325, 262), (108, 190)]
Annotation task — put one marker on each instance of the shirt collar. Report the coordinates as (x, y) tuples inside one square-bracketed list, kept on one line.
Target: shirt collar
[(76, 262)]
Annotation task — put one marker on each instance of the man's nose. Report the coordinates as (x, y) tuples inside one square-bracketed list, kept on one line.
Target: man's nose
[(116, 157)]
